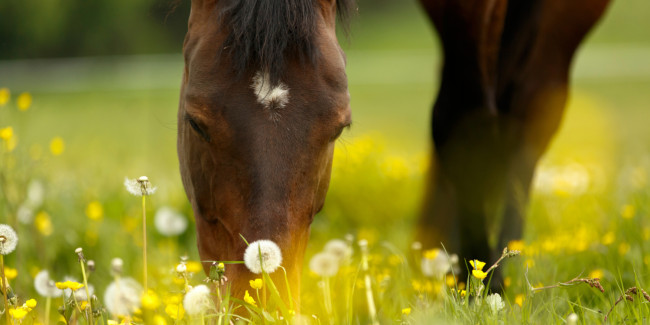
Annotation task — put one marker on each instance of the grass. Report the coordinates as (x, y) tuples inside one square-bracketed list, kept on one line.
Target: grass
[(589, 214)]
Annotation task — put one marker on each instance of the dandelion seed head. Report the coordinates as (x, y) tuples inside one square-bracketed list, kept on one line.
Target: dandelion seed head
[(25, 214), (122, 297), (197, 300), (8, 239), (117, 265), (35, 193), (324, 264), (338, 248), (79, 250), (572, 319), (45, 286), (495, 302), (437, 266), (138, 187), (271, 256), (181, 268), (170, 223)]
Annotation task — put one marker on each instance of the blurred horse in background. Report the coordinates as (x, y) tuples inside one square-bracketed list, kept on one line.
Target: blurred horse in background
[(503, 90), (263, 98)]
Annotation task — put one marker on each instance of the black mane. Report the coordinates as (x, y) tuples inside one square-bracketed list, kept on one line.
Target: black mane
[(262, 32)]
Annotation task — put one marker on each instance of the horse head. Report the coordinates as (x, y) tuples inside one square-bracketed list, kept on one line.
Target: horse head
[(264, 96)]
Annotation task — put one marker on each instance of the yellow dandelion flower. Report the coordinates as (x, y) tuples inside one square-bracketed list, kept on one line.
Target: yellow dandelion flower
[(248, 299), (609, 238), (477, 265), (623, 248), (597, 273), (24, 101), (516, 245), (83, 305), (479, 274), (57, 146), (159, 320), (256, 284), (628, 211), (43, 223), (462, 293), (519, 299), (31, 303), (18, 314), (94, 210), (150, 300), (7, 133), (406, 311), (5, 95), (11, 273), (175, 311), (431, 254), (194, 267)]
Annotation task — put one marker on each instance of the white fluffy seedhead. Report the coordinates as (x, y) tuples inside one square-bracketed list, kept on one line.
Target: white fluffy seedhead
[(123, 296), (324, 264), (169, 223), (8, 239), (339, 248), (140, 186), (45, 286), (271, 256), (197, 301)]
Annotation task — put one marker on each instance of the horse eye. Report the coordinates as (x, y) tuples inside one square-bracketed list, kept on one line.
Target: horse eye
[(197, 128), (340, 131)]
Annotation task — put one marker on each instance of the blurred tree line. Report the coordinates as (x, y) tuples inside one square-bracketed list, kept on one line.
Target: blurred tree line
[(61, 28)]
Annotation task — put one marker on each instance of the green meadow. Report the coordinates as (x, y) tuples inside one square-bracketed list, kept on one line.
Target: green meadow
[(93, 121)]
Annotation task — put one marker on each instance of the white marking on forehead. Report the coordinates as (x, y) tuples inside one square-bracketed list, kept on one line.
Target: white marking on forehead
[(277, 97)]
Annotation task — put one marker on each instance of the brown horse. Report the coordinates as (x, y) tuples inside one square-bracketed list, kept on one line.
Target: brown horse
[(264, 96), (502, 95)]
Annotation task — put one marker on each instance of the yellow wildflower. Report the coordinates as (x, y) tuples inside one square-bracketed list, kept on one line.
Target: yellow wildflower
[(249, 299), (431, 254), (516, 245), (479, 274), (7, 133), (24, 101), (31, 303), (150, 300), (450, 280), (394, 260), (61, 285), (623, 248), (11, 273), (256, 284), (477, 265), (194, 267), (74, 286), (4, 96), (94, 210), (57, 146), (462, 293), (83, 305), (175, 311), (507, 281), (596, 274), (417, 285), (628, 211), (519, 299), (19, 313), (43, 223), (159, 320), (609, 238), (406, 311), (529, 263)]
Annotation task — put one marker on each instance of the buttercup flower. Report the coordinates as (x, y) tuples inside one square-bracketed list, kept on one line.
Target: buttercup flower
[(477, 265), (8, 239), (406, 311), (197, 300), (271, 256), (256, 284), (324, 264), (122, 296), (338, 248), (169, 222), (140, 186), (479, 274), (45, 286), (249, 299)]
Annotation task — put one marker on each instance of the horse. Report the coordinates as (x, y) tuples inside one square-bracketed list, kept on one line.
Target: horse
[(264, 96), (504, 87)]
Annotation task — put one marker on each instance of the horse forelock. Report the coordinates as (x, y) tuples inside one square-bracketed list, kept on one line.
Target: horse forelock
[(261, 33)]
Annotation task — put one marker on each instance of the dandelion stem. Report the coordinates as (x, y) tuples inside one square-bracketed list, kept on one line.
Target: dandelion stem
[(328, 298), (48, 306), (89, 315), (372, 310), (144, 243), (4, 286)]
